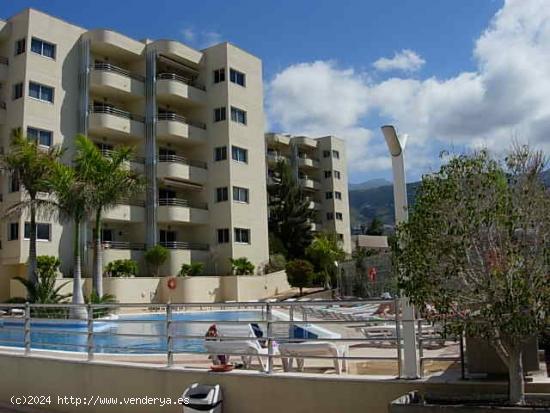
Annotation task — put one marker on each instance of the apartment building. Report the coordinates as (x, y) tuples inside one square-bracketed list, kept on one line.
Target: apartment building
[(320, 167), (195, 119)]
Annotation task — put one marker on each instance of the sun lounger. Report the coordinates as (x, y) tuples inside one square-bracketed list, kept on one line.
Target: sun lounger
[(299, 351), (380, 335)]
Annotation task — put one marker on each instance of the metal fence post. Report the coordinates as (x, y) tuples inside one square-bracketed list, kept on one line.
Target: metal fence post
[(27, 328), (398, 337), (90, 324), (269, 339), (420, 349), (169, 339)]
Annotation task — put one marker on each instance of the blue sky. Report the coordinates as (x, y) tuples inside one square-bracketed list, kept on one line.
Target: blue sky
[(440, 81)]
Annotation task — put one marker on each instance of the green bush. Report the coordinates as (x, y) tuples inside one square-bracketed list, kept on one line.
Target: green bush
[(47, 266), (122, 268), (299, 273), (155, 257), (191, 270), (241, 266)]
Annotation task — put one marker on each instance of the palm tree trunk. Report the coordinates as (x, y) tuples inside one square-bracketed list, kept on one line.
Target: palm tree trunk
[(78, 298), (98, 257), (32, 276)]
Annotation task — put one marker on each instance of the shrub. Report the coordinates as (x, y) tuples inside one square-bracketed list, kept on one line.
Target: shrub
[(191, 270), (99, 312), (241, 266), (277, 262), (299, 273), (122, 268), (47, 266), (155, 257)]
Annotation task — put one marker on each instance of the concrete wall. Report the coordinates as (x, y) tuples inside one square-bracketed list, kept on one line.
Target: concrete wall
[(243, 392)]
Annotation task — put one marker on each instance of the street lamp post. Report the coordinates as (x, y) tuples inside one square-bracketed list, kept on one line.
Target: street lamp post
[(396, 147)]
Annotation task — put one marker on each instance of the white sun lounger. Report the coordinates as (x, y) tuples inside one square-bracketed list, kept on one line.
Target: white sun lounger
[(380, 335), (299, 351)]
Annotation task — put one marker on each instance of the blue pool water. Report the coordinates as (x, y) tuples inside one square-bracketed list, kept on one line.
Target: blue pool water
[(116, 336)]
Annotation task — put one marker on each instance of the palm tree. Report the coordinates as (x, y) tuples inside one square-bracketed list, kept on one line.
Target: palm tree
[(325, 251), (241, 266), (74, 198), (112, 181), (32, 166)]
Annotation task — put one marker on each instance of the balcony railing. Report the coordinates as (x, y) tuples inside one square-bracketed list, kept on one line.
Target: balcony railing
[(309, 178), (178, 118), (109, 152), (182, 160), (122, 245), (111, 110), (132, 202), (182, 202), (173, 76), (107, 67), (4, 60), (184, 245)]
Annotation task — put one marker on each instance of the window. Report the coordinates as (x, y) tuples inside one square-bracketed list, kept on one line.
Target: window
[(238, 115), (328, 174), (43, 137), (167, 237), (223, 236), (219, 75), (240, 194), (339, 216), (242, 235), (166, 193), (17, 91), (237, 77), (13, 231), (43, 48), (20, 46), (336, 154), (41, 92), (326, 154), (221, 194), (338, 195), (219, 114), (330, 216), (42, 231), (328, 195), (341, 237), (239, 154), (220, 153), (337, 174), (14, 183), (107, 235)]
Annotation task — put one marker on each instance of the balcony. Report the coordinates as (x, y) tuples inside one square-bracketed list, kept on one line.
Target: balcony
[(308, 163), (184, 245), (126, 211), (110, 80), (305, 142), (3, 69), (136, 163), (177, 210), (275, 157), (120, 250), (116, 123), (310, 183), (110, 43), (178, 168), (314, 205), (2, 113), (182, 252), (177, 129), (276, 139), (174, 89)]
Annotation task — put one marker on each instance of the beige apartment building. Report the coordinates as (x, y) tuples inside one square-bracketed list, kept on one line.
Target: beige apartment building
[(320, 167), (195, 119)]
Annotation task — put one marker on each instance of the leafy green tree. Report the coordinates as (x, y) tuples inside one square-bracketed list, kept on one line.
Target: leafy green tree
[(155, 257), (122, 268), (299, 273), (376, 227), (191, 270), (325, 251), (112, 181), (289, 213), (44, 290), (241, 266), (474, 250), (32, 166)]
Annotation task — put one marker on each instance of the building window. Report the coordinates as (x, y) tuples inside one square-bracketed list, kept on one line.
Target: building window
[(41, 92), (326, 154), (220, 153), (13, 231), (219, 75), (328, 174), (167, 237), (237, 77), (341, 237), (14, 183), (219, 114), (242, 235), (43, 137), (330, 216), (223, 236), (328, 195), (339, 216), (20, 46), (17, 91), (239, 154), (107, 235), (221, 194), (43, 48), (337, 174), (338, 195), (336, 154), (238, 115), (43, 231), (240, 194)]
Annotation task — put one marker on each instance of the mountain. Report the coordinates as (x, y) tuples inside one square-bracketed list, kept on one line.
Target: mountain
[(372, 183)]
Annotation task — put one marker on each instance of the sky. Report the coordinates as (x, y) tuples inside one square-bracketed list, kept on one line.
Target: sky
[(453, 75)]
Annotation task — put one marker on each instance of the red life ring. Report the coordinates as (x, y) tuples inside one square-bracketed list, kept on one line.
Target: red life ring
[(172, 283)]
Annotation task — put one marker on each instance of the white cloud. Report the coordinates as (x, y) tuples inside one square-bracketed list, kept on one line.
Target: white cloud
[(201, 39), (506, 97), (406, 60)]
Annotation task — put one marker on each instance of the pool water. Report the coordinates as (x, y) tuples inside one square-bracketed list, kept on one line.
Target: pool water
[(72, 336)]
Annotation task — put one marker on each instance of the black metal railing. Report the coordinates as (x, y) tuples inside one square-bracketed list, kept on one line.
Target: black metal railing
[(111, 110), (122, 245), (182, 160), (184, 245), (182, 79), (179, 118), (107, 67), (182, 202), (136, 159)]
